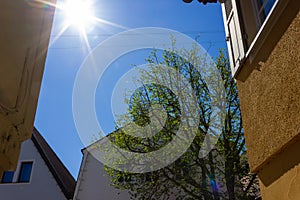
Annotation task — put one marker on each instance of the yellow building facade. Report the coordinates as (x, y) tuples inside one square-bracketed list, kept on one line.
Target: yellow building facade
[(24, 39), (263, 40)]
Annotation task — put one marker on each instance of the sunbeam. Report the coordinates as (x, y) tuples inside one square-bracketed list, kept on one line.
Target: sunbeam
[(78, 14), (103, 21), (64, 28)]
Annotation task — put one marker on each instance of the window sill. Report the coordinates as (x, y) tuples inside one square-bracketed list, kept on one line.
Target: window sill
[(15, 183)]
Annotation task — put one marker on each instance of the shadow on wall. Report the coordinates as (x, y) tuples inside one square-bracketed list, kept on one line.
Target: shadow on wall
[(285, 161)]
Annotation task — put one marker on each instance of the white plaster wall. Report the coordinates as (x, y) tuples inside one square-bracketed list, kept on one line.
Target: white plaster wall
[(93, 185), (42, 185)]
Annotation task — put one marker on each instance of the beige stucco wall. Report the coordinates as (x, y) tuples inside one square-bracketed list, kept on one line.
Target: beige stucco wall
[(280, 178), (270, 99), (285, 188), (270, 105), (22, 54), (9, 145)]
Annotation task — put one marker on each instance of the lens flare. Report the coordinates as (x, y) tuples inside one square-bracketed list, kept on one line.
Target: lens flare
[(78, 13)]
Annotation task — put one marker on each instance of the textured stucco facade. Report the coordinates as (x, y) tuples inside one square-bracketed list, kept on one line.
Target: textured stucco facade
[(270, 105), (280, 178), (24, 38), (270, 99), (9, 145)]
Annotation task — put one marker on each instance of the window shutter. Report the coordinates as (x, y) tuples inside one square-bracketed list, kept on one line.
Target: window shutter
[(234, 36)]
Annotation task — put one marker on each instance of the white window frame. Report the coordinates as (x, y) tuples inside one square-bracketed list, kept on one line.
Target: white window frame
[(18, 171), (255, 52), (235, 60), (260, 23)]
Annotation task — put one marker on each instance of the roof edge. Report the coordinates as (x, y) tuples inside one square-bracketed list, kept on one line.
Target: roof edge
[(59, 171)]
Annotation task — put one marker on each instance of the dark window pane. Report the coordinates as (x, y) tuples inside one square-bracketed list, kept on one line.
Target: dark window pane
[(25, 172), (7, 177), (265, 8), (269, 6)]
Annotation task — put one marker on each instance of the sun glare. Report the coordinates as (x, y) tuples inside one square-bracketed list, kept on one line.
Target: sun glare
[(78, 13)]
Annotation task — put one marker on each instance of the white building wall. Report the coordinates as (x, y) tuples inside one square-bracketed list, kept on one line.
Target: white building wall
[(42, 185), (92, 184)]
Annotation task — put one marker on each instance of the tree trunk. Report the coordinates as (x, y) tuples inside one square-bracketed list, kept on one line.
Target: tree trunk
[(229, 177), (213, 178)]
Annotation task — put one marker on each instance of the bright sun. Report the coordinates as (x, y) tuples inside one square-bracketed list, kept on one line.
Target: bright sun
[(78, 13)]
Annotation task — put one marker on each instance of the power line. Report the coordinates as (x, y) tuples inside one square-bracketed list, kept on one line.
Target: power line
[(107, 35), (84, 47)]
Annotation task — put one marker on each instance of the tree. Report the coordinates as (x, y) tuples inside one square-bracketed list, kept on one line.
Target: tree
[(222, 174)]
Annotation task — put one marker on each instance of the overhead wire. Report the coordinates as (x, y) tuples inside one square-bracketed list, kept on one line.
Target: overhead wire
[(197, 34), (111, 34)]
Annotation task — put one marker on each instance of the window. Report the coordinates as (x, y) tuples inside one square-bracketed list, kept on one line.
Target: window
[(245, 24), (7, 177), (25, 172), (234, 34), (264, 8)]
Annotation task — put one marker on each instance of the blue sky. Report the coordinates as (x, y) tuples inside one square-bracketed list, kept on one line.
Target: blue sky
[(54, 118)]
